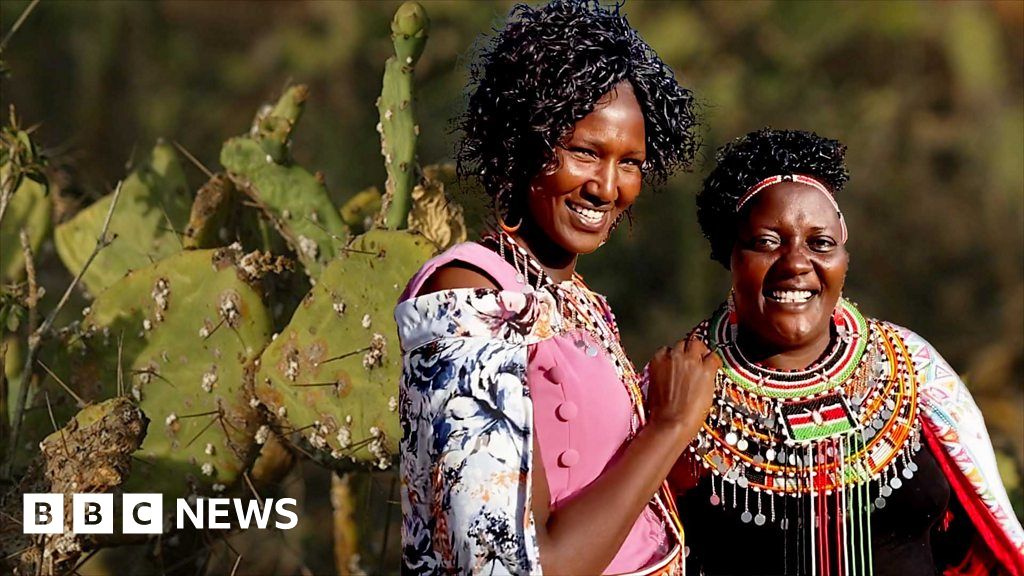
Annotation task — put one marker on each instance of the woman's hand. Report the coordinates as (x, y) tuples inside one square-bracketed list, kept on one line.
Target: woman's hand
[(682, 386), (584, 533)]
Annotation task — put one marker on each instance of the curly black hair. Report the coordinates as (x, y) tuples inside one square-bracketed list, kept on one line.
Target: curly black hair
[(746, 161), (543, 72)]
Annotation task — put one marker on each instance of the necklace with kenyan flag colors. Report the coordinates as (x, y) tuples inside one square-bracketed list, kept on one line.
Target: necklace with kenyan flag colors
[(839, 436)]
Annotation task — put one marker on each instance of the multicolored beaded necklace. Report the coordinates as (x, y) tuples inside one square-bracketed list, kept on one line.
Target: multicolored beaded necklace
[(584, 311), (826, 435)]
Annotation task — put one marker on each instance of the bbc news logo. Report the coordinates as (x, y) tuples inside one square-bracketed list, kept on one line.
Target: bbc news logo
[(143, 513)]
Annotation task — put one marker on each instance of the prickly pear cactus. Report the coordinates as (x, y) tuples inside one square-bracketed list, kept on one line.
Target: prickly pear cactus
[(189, 327), (150, 214), (332, 373), (273, 125), (398, 128), (210, 213), (361, 210), (295, 200)]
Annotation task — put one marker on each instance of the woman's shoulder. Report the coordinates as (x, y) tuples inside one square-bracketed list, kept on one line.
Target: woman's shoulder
[(470, 255), (516, 317), (923, 354), (941, 390)]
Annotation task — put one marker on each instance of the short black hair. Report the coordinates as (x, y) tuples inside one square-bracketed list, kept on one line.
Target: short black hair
[(543, 72), (746, 161)]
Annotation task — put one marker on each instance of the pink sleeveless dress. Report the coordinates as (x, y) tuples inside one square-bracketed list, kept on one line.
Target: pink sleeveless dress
[(581, 410)]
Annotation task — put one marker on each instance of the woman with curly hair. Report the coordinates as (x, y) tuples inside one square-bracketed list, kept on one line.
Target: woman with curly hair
[(837, 443), (528, 444)]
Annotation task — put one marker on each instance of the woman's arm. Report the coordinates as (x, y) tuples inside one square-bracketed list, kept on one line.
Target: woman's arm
[(586, 532), (583, 535), (454, 276)]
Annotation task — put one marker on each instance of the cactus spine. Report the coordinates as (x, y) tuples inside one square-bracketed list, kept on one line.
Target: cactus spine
[(398, 128)]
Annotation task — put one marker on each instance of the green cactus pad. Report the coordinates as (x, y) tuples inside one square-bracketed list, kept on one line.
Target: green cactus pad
[(272, 127), (151, 212), (333, 372), (191, 325), (29, 208), (397, 127), (295, 200)]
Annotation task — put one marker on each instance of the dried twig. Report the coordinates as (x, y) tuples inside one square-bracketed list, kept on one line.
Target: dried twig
[(4, 424), (17, 24), (120, 369), (33, 288), (35, 338)]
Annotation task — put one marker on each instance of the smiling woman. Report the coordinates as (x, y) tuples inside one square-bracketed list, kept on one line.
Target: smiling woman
[(838, 444), (528, 444), (788, 270), (594, 178)]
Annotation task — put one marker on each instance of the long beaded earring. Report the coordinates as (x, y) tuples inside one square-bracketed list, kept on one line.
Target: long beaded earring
[(733, 318)]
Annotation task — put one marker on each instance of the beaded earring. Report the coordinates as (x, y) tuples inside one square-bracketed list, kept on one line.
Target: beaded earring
[(837, 312), (733, 317)]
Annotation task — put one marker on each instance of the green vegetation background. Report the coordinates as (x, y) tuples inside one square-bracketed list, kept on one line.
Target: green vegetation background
[(929, 97)]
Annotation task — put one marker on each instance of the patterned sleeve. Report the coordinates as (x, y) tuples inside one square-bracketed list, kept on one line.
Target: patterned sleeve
[(466, 416)]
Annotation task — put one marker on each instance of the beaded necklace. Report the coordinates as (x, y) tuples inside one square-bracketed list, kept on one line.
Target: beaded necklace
[(584, 311), (831, 435)]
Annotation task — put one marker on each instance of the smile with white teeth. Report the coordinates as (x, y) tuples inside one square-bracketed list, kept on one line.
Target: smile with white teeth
[(593, 217), (791, 296)]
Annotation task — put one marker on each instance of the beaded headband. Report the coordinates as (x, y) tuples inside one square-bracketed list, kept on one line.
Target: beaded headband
[(806, 180)]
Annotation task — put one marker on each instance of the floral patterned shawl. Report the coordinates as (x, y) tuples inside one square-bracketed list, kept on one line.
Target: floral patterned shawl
[(467, 421)]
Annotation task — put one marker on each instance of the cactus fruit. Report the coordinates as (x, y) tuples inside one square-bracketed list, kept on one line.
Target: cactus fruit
[(331, 373), (152, 211), (190, 326), (295, 201), (398, 128), (29, 209)]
